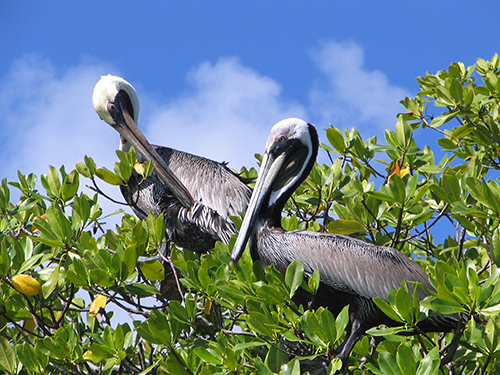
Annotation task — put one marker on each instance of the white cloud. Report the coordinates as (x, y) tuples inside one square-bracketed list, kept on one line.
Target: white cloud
[(350, 95), (49, 116), (226, 115), (47, 119)]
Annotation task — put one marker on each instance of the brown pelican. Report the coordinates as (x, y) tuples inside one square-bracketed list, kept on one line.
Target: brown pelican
[(352, 271), (196, 195)]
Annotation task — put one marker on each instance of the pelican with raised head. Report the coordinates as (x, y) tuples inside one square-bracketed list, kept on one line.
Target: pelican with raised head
[(196, 195), (352, 271)]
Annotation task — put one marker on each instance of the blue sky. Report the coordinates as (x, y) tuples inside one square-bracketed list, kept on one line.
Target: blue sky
[(213, 77)]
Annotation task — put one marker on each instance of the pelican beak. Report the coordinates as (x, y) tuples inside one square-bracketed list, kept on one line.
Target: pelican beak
[(269, 169), (128, 129)]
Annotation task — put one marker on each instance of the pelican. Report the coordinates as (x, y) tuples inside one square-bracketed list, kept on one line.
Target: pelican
[(352, 271), (196, 195)]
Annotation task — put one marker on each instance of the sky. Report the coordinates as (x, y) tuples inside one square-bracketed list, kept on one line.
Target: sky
[(213, 77)]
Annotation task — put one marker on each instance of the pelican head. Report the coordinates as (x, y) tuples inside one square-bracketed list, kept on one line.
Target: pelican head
[(116, 102), (290, 153), (104, 96)]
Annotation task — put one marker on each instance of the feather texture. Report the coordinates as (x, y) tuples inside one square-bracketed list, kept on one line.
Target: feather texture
[(217, 191)]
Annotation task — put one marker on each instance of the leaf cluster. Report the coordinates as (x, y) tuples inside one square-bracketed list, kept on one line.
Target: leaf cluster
[(126, 300)]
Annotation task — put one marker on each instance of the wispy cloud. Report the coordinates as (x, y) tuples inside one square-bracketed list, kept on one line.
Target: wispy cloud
[(226, 113), (349, 94), (47, 116), (47, 119)]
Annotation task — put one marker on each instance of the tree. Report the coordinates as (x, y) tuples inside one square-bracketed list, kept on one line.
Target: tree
[(197, 315)]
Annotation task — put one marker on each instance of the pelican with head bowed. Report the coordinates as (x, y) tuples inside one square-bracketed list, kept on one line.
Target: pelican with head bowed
[(352, 271), (196, 195)]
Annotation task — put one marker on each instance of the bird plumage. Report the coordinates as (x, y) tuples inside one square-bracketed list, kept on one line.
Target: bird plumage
[(217, 193), (196, 195), (352, 271)]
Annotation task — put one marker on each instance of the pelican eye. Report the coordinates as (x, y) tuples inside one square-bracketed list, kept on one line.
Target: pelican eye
[(111, 108), (281, 139)]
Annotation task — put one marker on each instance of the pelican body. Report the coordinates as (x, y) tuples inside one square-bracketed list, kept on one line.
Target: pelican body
[(352, 271), (196, 195)]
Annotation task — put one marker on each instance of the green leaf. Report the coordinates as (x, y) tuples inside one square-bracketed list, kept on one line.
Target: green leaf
[(122, 170), (341, 322), (403, 132), (153, 270), (447, 143), (294, 276), (388, 364), (313, 281), (209, 355), (492, 331), (70, 186), (32, 262), (387, 309), (258, 322), (5, 261), (83, 169), (231, 361), (89, 162), (108, 176), (7, 357), (406, 360), (247, 345), (4, 195), (440, 120), (430, 364), (141, 290), (178, 312), (53, 183), (50, 285), (313, 328), (450, 184), (432, 169), (59, 223), (262, 369), (336, 139), (456, 91), (404, 304), (276, 358), (293, 368), (442, 306), (270, 294), (386, 331)]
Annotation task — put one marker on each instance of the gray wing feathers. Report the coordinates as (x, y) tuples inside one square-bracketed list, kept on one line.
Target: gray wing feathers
[(354, 266), (209, 182)]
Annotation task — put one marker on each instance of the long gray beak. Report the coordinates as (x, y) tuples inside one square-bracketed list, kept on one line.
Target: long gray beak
[(128, 129), (269, 169)]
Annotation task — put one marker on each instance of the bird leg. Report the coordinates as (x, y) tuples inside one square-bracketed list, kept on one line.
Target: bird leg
[(354, 332)]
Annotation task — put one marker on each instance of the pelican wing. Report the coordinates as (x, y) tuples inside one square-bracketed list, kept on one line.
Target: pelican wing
[(348, 264), (210, 183)]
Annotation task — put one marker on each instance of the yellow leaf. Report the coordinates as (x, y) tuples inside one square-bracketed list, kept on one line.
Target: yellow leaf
[(396, 169), (344, 227), (88, 354), (497, 149), (34, 228), (26, 284), (208, 306), (59, 316), (404, 172), (97, 304), (139, 168), (29, 325)]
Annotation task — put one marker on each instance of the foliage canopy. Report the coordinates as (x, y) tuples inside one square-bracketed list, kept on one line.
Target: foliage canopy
[(55, 258)]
